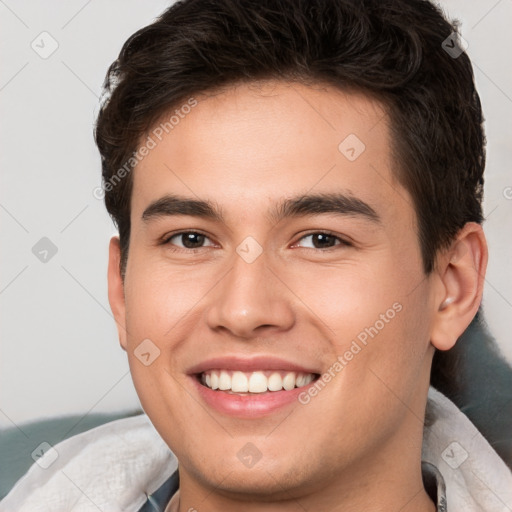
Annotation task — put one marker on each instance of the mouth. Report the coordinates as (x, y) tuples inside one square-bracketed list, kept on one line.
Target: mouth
[(250, 388), (254, 382), (252, 393)]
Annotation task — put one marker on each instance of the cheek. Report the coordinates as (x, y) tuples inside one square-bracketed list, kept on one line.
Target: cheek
[(376, 314), (345, 298), (159, 298)]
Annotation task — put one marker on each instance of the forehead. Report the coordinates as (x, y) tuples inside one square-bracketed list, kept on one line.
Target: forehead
[(250, 145)]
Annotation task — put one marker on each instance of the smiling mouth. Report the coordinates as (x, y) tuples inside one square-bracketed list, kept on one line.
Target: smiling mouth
[(262, 381)]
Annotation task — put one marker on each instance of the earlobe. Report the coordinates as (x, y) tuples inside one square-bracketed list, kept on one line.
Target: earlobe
[(461, 275), (116, 290)]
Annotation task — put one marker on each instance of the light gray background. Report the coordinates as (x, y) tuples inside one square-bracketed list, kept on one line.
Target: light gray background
[(59, 348)]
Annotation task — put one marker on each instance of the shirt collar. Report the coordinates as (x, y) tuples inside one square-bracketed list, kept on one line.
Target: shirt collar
[(434, 484)]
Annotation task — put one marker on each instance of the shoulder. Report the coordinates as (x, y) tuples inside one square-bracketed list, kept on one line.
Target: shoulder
[(110, 467), (474, 475)]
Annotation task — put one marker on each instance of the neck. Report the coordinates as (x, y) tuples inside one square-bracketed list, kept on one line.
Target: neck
[(389, 483)]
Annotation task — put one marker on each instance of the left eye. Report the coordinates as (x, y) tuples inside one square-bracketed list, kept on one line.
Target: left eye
[(323, 240), (189, 240)]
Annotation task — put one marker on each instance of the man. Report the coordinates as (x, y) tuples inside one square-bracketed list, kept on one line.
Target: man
[(297, 187)]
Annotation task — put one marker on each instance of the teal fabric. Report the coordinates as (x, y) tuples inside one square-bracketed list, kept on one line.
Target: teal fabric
[(17, 444)]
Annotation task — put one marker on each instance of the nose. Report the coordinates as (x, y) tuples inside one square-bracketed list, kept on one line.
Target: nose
[(251, 300)]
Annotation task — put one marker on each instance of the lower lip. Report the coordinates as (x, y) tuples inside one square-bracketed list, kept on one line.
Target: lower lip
[(247, 406)]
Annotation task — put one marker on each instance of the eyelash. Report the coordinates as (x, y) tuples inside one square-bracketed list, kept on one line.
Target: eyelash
[(343, 242)]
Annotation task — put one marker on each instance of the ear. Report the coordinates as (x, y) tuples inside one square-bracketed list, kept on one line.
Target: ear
[(116, 289), (461, 271)]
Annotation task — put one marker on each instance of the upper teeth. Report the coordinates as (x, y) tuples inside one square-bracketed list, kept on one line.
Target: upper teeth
[(254, 382)]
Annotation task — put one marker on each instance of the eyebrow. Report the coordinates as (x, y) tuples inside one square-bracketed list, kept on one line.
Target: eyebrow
[(303, 205)]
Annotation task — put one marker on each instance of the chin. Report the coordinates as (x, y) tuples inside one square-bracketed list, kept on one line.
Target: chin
[(263, 482)]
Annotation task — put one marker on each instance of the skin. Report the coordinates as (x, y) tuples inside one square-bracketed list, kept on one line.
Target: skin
[(357, 444)]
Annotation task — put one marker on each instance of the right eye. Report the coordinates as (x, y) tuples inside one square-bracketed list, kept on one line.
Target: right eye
[(187, 240)]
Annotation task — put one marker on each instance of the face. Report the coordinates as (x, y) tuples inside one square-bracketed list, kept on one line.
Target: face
[(310, 315)]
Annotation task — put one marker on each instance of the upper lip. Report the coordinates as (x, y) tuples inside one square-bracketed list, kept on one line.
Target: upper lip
[(249, 364)]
